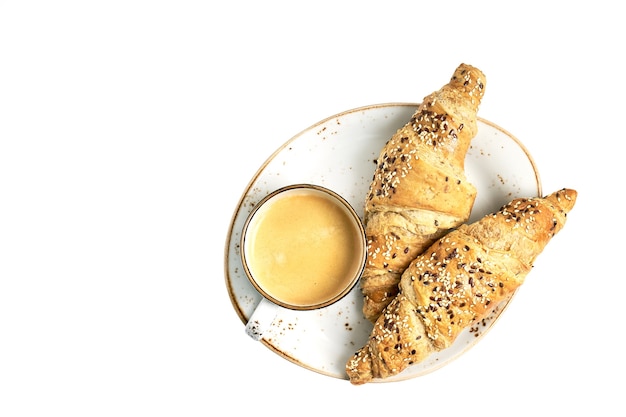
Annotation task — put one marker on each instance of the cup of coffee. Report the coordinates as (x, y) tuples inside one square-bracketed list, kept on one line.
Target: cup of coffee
[(303, 247)]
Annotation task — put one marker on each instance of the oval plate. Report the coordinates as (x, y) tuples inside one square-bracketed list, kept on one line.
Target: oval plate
[(339, 153)]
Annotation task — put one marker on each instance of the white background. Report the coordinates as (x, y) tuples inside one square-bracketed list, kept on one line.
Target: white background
[(129, 130)]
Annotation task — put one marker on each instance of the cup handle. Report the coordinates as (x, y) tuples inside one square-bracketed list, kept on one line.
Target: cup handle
[(261, 319)]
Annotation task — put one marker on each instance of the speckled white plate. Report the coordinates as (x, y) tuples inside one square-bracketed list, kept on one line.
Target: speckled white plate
[(338, 153)]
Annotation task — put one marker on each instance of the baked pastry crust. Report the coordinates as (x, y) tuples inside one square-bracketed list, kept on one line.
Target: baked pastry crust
[(458, 281), (419, 190)]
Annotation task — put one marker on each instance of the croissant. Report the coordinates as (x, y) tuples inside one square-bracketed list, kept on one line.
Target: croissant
[(458, 281), (419, 190)]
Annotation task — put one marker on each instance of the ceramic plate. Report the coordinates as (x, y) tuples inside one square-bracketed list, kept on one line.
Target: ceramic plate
[(339, 153)]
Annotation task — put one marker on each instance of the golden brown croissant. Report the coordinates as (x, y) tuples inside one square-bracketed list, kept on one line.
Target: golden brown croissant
[(458, 281), (419, 190)]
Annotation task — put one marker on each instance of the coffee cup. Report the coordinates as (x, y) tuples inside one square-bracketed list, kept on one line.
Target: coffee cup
[(303, 248)]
